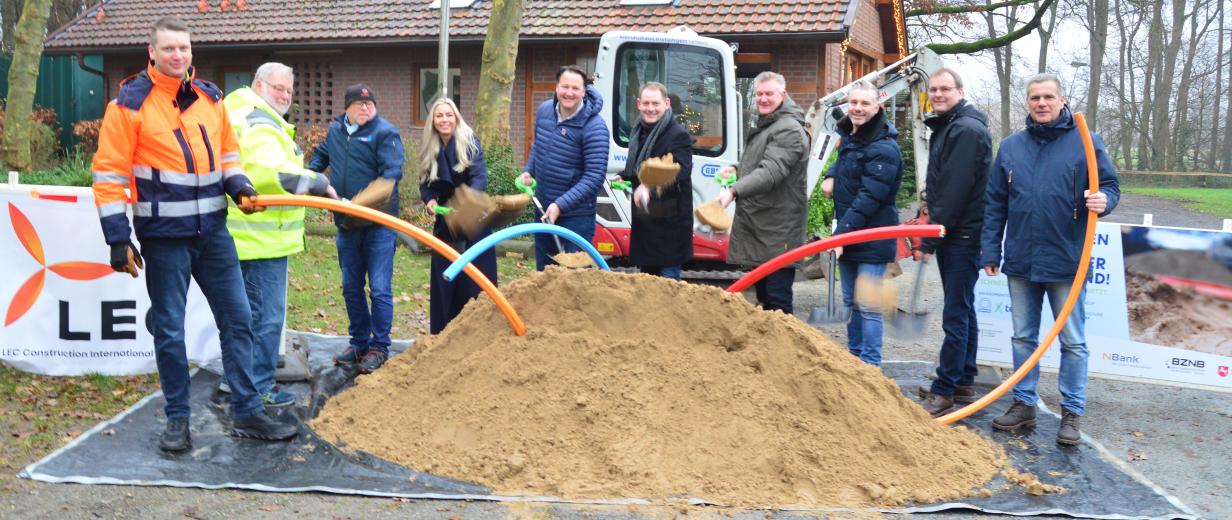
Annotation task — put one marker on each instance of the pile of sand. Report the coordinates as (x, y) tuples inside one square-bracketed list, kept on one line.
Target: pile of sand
[(636, 386)]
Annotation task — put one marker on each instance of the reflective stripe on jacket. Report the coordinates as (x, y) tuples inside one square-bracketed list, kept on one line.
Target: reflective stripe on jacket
[(168, 141), (275, 165)]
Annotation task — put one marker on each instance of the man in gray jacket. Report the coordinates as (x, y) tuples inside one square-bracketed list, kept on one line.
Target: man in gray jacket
[(773, 211)]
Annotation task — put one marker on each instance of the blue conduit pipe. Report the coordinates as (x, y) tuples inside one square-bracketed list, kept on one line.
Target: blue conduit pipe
[(515, 231)]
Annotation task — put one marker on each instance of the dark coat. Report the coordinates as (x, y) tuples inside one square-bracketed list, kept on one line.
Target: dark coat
[(867, 175), (959, 153), (569, 159), (771, 208), (1034, 200), (662, 233), (374, 150), (448, 298)]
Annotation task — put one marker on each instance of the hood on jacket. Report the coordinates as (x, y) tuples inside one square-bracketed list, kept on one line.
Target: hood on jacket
[(876, 128), (1064, 123), (593, 103), (962, 109)]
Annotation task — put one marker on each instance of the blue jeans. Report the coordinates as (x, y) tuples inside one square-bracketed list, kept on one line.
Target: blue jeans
[(671, 272), (265, 280), (865, 326), (545, 245), (959, 265), (1026, 301), (210, 260), (368, 254), (774, 291)]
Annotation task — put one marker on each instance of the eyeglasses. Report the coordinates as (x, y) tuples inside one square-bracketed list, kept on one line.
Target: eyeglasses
[(941, 90), (279, 89)]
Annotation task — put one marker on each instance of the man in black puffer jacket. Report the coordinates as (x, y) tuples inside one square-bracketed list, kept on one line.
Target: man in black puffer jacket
[(864, 181), (959, 153)]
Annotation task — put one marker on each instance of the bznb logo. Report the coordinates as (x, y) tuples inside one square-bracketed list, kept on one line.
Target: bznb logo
[(30, 290), (1186, 364)]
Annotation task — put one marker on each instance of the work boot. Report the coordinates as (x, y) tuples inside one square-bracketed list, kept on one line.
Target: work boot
[(963, 394), (936, 404), (350, 356), (175, 435), (1019, 415), (372, 361), (262, 426), (1069, 434)]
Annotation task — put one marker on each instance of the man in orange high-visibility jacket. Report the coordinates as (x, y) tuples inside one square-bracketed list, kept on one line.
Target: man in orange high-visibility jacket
[(167, 139)]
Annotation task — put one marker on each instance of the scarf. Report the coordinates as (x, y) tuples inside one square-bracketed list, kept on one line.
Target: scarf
[(643, 147)]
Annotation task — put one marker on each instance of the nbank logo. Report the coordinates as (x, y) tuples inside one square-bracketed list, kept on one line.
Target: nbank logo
[(1121, 359), (28, 293)]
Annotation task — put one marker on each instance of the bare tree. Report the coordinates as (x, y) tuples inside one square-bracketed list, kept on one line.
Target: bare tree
[(1097, 15), (23, 79), (500, 56), (1045, 33)]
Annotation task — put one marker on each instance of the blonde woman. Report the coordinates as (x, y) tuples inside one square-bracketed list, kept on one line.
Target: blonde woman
[(451, 156)]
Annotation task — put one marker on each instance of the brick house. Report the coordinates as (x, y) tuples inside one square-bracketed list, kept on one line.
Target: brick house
[(817, 45)]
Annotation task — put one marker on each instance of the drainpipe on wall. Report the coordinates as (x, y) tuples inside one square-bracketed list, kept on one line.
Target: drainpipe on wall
[(81, 63)]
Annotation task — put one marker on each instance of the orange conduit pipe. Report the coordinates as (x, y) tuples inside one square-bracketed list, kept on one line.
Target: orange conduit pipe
[(389, 221), (845, 239), (1075, 289)]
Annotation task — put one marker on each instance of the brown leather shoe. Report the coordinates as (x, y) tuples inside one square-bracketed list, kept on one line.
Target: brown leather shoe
[(936, 405), (963, 394), (1019, 415), (1069, 434)]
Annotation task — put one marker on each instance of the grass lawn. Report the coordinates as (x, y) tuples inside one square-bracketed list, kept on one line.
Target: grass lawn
[(40, 413), (1213, 201)]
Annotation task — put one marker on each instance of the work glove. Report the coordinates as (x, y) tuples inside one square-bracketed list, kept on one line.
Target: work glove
[(240, 200), (126, 259), (658, 171)]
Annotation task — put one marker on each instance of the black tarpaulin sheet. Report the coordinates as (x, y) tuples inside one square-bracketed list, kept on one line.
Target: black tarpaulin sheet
[(123, 450)]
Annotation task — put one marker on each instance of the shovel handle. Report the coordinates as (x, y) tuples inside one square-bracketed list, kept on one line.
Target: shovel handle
[(528, 189), (442, 210), (724, 180), (621, 185)]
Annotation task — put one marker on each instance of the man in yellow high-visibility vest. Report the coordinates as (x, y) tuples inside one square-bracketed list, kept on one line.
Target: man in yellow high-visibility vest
[(275, 165)]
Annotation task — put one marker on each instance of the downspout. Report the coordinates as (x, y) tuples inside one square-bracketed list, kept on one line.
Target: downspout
[(81, 63)]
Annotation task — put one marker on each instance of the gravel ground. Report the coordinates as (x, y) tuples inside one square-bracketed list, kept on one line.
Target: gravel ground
[(1182, 438)]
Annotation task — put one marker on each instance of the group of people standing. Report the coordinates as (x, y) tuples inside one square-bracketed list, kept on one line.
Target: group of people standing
[(183, 151), (1021, 213)]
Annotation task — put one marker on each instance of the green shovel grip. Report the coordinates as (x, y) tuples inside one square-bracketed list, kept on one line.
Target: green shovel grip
[(442, 210), (725, 181), (621, 185), (528, 189)]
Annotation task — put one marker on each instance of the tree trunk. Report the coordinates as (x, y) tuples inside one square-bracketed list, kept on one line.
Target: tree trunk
[(1045, 37), (23, 79), (1161, 124), (1215, 165), (1185, 133), (1003, 56), (1124, 93), (1097, 13), (1154, 59), (500, 55)]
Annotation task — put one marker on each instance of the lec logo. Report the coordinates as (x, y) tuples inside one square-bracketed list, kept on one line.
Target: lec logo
[(29, 291)]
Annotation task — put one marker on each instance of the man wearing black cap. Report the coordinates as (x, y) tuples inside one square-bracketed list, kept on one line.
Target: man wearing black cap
[(362, 147)]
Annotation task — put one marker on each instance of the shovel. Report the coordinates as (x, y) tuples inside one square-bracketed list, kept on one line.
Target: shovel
[(470, 212), (571, 260), (910, 323), (831, 313)]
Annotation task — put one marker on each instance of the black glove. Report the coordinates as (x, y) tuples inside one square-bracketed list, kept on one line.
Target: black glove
[(126, 259), (245, 192)]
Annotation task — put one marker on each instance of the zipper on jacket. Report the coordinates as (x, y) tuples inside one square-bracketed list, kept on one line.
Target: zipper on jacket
[(208, 148), (1009, 174)]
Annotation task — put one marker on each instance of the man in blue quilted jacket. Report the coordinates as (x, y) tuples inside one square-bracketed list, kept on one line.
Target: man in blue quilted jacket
[(568, 160)]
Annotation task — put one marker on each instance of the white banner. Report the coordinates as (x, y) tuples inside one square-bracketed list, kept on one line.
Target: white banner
[(64, 310), (1159, 307)]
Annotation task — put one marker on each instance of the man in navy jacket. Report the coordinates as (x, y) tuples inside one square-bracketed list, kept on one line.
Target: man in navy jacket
[(1036, 200), (361, 147), (959, 153), (568, 159)]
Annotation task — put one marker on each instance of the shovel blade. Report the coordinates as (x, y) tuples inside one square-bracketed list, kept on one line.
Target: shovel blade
[(908, 325)]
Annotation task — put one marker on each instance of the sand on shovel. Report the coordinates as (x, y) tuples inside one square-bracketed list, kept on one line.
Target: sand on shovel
[(636, 386), (576, 260), (712, 214)]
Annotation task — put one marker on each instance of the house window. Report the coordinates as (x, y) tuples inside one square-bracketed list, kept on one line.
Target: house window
[(233, 80), (430, 87), (314, 94)]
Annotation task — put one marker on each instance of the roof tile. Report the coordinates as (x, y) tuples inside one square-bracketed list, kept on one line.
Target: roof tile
[(268, 21)]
